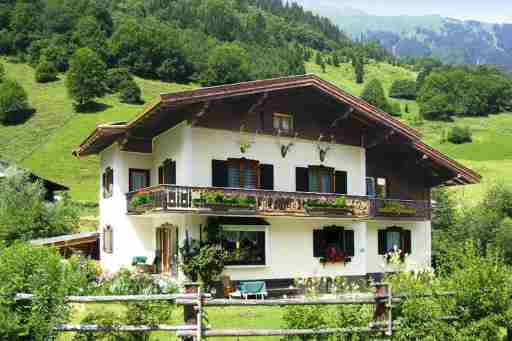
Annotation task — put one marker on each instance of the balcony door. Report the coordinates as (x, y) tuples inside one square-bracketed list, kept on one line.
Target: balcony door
[(166, 249)]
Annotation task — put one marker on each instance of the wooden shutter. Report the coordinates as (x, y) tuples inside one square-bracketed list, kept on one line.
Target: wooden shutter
[(173, 172), (301, 179), (382, 242), (249, 174), (161, 175), (318, 243), (267, 177), (406, 241), (349, 243), (340, 182), (219, 173)]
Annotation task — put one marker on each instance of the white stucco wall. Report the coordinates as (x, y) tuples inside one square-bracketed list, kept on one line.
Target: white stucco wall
[(290, 239), (420, 256)]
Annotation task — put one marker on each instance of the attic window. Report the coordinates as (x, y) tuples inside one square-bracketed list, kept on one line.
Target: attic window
[(283, 122)]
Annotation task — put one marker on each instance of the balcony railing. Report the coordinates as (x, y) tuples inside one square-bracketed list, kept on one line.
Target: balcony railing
[(209, 200)]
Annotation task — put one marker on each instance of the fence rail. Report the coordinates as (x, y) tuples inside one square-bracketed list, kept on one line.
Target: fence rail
[(194, 303)]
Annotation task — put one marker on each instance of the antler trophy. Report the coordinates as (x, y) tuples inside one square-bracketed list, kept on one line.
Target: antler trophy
[(246, 140), (285, 147), (324, 147)]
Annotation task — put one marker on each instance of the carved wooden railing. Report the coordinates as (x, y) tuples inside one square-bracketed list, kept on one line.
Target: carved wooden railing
[(269, 203)]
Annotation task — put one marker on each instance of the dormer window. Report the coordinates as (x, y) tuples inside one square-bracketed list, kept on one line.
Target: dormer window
[(283, 122), (107, 181)]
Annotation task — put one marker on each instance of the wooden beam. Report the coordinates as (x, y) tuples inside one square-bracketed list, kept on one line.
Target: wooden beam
[(380, 140), (342, 117), (204, 109), (261, 102)]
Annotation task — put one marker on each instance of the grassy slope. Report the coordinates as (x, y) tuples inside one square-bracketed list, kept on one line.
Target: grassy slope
[(45, 141)]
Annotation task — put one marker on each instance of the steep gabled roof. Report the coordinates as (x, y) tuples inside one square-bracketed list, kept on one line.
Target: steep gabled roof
[(106, 134)]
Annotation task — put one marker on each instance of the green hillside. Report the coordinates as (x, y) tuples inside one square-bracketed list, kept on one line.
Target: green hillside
[(44, 142)]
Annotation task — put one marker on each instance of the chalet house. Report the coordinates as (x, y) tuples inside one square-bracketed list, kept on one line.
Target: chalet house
[(302, 177)]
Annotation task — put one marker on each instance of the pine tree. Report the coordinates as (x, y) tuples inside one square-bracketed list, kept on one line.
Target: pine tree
[(358, 64), (319, 59), (336, 60), (406, 108), (374, 94)]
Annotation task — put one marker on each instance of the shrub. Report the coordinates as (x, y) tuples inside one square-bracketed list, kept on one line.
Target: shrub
[(459, 135), (13, 101), (45, 72), (44, 273), (126, 282), (115, 77), (374, 94), (129, 92), (404, 89), (204, 265)]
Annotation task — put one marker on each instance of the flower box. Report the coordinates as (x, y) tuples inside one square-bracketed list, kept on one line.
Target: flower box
[(330, 211), (228, 207)]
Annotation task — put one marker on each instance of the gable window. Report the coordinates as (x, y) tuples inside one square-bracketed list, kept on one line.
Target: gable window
[(108, 239), (321, 179), (376, 187), (333, 238), (138, 179), (242, 173), (394, 238), (283, 122), (167, 173), (108, 182), (245, 245)]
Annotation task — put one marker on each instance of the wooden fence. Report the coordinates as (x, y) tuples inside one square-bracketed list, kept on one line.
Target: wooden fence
[(194, 303)]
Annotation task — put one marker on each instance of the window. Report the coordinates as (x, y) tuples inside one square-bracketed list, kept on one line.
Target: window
[(139, 178), (283, 122), (167, 173), (321, 179), (333, 237), (394, 238), (108, 239), (377, 187), (108, 182), (245, 246), (242, 173)]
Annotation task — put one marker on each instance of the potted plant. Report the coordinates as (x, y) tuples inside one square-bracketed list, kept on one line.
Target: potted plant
[(141, 202), (327, 207), (396, 209)]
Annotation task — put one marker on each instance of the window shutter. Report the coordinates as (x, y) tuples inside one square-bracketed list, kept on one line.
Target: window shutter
[(318, 243), (349, 243), (382, 242), (161, 175), (172, 170), (267, 177), (406, 241), (219, 173), (370, 187), (249, 177), (340, 182), (301, 179)]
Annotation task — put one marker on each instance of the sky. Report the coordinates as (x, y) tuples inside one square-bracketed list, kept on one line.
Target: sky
[(499, 11)]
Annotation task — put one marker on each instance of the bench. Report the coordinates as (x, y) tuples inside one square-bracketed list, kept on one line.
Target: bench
[(255, 288)]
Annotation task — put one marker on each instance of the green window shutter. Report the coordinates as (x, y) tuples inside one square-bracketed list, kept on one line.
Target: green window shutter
[(349, 243), (219, 173), (340, 182), (406, 241), (301, 179), (382, 242), (267, 177), (318, 243)]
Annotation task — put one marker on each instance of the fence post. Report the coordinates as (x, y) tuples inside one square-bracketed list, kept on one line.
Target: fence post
[(383, 306), (189, 315), (199, 314)]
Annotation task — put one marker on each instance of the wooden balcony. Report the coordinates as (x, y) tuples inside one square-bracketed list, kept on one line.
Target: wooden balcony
[(230, 201)]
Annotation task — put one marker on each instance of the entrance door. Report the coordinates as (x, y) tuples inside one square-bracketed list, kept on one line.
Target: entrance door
[(166, 249)]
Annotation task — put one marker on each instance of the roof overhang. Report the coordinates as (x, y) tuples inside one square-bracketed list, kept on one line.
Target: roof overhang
[(107, 134)]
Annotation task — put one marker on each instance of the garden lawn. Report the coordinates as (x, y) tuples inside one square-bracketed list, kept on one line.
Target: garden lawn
[(220, 318)]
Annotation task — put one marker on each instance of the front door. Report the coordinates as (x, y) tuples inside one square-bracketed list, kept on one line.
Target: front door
[(166, 249)]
